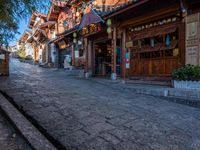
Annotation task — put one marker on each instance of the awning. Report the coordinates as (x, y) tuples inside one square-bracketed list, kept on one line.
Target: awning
[(154, 32), (90, 18), (55, 40)]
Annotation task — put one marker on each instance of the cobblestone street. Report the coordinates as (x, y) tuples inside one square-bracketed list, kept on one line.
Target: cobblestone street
[(83, 114)]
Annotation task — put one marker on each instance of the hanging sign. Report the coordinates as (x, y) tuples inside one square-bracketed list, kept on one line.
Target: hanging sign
[(192, 51), (91, 29), (129, 44)]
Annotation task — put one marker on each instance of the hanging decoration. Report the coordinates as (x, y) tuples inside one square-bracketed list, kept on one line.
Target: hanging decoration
[(109, 22), (109, 28), (74, 36)]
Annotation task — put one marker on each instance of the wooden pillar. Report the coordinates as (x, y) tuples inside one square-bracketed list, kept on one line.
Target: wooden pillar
[(182, 43), (73, 54), (89, 55), (114, 48), (86, 54), (124, 54)]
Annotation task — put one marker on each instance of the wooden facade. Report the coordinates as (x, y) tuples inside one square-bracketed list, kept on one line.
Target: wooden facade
[(152, 37)]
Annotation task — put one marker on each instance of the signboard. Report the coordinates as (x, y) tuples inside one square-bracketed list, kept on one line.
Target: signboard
[(193, 39), (129, 44), (192, 55), (192, 30), (91, 29)]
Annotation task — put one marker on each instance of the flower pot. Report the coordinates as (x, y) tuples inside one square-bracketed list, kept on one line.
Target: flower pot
[(186, 84)]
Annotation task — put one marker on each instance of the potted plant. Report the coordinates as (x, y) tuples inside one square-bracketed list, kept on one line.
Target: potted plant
[(187, 77)]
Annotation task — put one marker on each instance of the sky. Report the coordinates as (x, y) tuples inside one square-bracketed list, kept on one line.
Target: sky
[(22, 26)]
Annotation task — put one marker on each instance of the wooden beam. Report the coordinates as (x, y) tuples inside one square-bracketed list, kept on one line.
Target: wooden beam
[(123, 54), (152, 16)]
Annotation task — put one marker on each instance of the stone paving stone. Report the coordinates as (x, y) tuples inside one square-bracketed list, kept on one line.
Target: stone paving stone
[(110, 138), (97, 144), (84, 114), (129, 145), (97, 128)]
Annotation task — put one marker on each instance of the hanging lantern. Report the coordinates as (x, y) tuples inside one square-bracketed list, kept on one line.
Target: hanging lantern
[(74, 35), (109, 22), (109, 30), (95, 2), (77, 14), (74, 40), (79, 42)]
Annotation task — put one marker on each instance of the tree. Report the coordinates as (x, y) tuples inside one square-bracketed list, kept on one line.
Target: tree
[(21, 52), (12, 11)]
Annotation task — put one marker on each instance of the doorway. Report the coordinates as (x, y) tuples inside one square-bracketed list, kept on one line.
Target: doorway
[(103, 58)]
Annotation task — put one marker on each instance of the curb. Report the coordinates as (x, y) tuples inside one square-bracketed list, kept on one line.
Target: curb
[(30, 133), (181, 96)]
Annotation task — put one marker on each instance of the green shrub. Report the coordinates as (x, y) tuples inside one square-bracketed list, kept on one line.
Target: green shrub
[(187, 72), (21, 53)]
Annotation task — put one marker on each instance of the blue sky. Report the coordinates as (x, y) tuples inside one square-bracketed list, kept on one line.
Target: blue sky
[(22, 26)]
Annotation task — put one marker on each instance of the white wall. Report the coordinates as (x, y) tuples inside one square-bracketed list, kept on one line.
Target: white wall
[(28, 49)]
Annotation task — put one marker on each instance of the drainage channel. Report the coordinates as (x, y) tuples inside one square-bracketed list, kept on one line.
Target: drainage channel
[(35, 123)]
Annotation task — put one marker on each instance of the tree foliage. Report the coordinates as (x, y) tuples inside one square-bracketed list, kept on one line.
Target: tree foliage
[(21, 52), (12, 11)]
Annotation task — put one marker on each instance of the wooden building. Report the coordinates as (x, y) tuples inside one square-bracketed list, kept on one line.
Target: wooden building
[(38, 36), (72, 21), (66, 21), (98, 39), (130, 39), (4, 62), (147, 40)]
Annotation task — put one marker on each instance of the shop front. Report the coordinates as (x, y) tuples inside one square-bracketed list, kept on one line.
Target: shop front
[(150, 39), (154, 47), (64, 54), (99, 50), (103, 57)]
